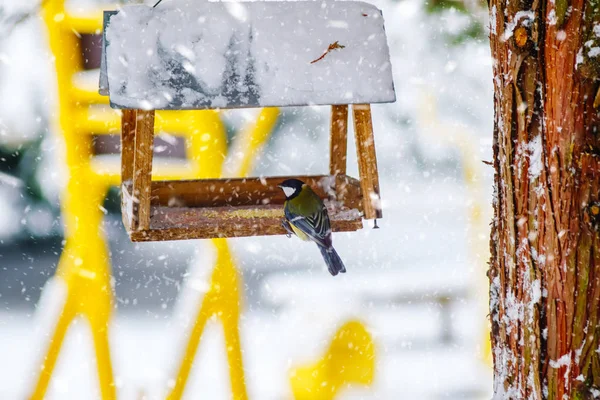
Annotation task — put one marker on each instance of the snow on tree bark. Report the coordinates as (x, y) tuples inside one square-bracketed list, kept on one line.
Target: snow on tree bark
[(545, 254)]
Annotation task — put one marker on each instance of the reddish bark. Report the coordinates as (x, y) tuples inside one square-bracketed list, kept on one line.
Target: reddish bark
[(545, 263)]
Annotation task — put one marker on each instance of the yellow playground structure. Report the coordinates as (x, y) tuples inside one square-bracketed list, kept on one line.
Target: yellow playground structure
[(84, 270)]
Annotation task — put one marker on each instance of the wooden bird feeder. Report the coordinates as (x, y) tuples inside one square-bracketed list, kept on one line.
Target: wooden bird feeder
[(213, 55)]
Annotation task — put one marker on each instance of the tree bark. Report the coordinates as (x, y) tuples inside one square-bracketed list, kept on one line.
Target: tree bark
[(545, 255)]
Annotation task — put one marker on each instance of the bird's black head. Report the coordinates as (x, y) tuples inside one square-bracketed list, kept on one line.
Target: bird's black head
[(291, 187)]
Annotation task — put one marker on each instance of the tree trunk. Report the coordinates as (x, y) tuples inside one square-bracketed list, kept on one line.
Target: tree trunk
[(545, 255)]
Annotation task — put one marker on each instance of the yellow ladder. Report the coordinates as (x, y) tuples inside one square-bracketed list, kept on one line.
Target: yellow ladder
[(224, 298), (84, 269)]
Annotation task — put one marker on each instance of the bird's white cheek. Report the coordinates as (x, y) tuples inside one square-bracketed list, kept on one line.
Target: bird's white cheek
[(288, 191)]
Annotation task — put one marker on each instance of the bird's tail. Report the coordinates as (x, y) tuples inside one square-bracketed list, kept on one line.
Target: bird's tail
[(333, 260)]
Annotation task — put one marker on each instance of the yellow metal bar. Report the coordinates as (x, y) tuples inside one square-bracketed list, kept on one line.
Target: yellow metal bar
[(84, 264), (350, 359), (107, 121), (84, 269), (207, 146), (85, 21), (234, 357), (224, 297), (102, 351), (250, 141), (189, 354), (106, 171), (48, 363), (82, 96)]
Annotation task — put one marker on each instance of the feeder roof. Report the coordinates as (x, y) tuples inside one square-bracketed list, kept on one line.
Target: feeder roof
[(205, 55)]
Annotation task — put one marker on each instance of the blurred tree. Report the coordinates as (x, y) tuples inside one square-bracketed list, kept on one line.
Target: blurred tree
[(23, 162), (473, 10), (9, 21), (545, 242), (21, 145)]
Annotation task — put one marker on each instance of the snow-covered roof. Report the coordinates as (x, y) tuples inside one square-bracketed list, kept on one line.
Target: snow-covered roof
[(187, 54)]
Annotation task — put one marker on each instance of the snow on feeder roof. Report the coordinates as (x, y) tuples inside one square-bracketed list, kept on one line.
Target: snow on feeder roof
[(206, 55)]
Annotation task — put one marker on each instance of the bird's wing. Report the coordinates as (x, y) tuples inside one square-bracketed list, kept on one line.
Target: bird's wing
[(316, 226)]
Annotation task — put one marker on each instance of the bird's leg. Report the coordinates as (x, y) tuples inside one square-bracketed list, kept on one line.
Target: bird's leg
[(286, 225)]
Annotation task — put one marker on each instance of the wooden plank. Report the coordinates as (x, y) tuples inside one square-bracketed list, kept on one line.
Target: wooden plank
[(308, 63), (247, 191), (128, 124), (142, 172), (183, 223), (367, 160), (338, 143)]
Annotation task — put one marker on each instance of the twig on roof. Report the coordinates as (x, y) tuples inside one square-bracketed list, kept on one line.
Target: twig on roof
[(333, 46)]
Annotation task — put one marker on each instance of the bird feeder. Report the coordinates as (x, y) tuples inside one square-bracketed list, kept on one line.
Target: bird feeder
[(218, 55)]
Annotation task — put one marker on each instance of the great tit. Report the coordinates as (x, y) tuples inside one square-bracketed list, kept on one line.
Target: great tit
[(306, 217)]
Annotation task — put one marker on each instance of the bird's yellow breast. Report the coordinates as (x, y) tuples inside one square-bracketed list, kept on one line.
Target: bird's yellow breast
[(299, 233)]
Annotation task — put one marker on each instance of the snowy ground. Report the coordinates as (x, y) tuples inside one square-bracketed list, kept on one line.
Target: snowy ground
[(271, 346), (412, 360)]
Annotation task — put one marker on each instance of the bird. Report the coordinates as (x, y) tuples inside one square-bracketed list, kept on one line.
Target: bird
[(306, 217)]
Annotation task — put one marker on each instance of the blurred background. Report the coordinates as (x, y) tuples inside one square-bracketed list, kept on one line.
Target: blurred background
[(417, 285)]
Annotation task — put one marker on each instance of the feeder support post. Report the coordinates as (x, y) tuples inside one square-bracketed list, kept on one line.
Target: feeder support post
[(128, 124), (338, 143), (142, 170), (367, 160)]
